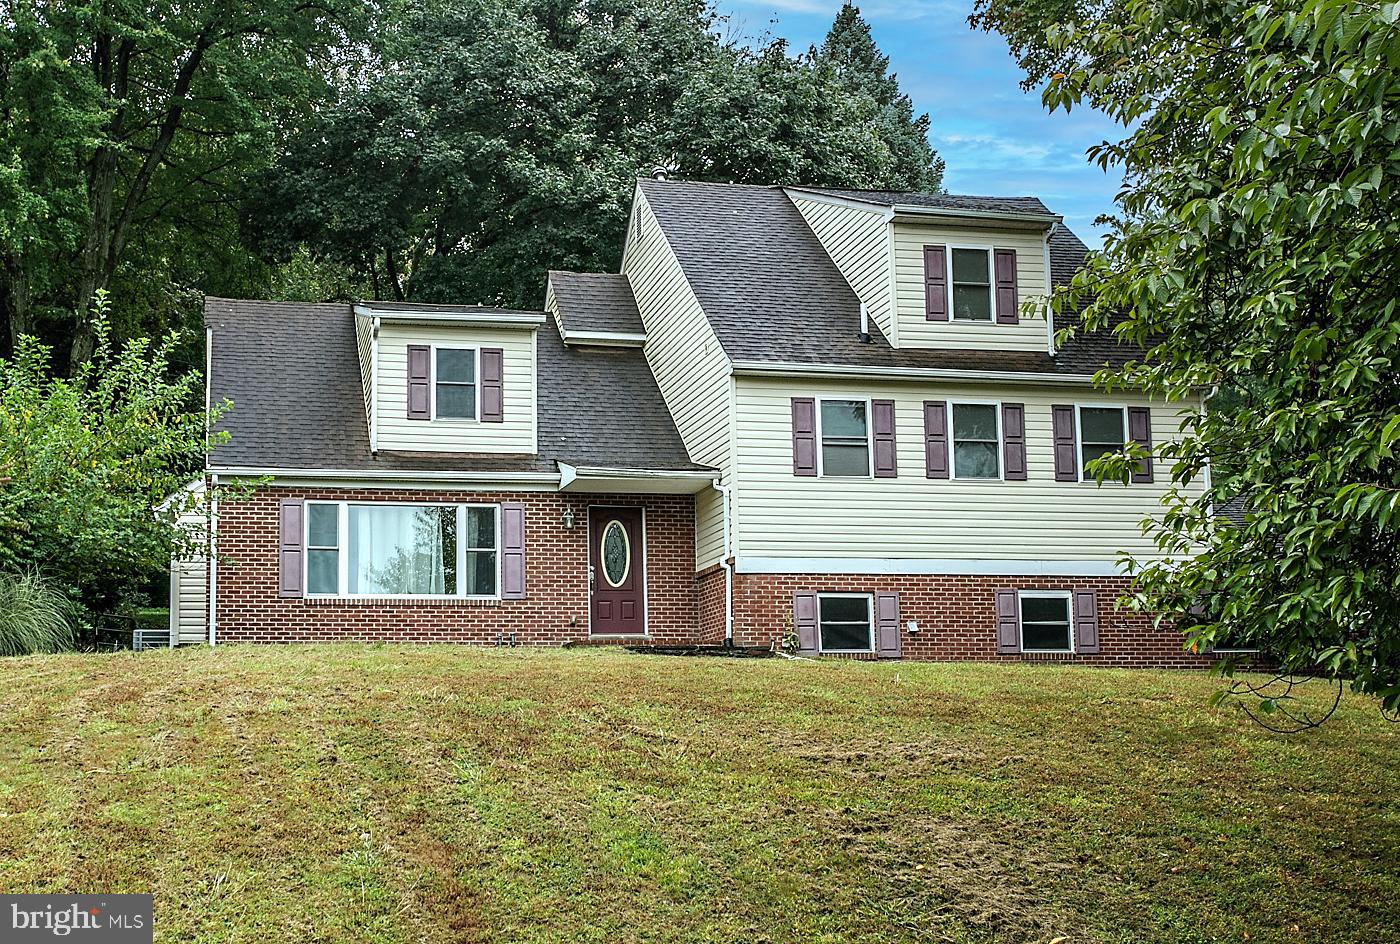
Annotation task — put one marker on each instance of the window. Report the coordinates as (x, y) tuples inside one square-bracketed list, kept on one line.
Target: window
[(845, 439), (402, 550), (454, 373), (1102, 429), (322, 548), (976, 439), (845, 622), (971, 278), (1045, 621)]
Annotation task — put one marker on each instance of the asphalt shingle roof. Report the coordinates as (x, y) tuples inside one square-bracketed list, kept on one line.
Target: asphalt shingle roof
[(292, 372), (772, 294), (596, 301), (939, 201)]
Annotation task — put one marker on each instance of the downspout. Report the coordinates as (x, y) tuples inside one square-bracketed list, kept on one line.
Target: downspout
[(726, 563), (214, 561), (374, 386), (1049, 290)]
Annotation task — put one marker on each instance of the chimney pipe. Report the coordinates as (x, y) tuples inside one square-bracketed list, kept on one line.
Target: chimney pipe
[(660, 173)]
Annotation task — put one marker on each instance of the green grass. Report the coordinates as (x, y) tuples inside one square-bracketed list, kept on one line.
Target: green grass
[(446, 794)]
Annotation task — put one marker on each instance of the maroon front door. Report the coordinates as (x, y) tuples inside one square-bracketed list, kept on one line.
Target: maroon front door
[(617, 572)]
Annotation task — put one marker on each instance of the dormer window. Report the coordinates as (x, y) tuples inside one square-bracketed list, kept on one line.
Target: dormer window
[(971, 278), (454, 383)]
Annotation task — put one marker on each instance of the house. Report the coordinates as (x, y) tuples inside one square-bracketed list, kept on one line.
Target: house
[(824, 416)]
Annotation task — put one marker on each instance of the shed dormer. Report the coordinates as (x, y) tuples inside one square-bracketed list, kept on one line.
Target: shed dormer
[(594, 309), (448, 378)]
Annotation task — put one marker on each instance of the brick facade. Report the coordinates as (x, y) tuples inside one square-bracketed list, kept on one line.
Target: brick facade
[(957, 616), (554, 611)]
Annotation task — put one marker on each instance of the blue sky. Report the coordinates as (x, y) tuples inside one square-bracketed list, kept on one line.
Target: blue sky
[(996, 139)]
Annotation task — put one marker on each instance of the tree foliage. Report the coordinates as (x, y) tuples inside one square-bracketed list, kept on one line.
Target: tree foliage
[(128, 129), (501, 138), (92, 467), (1255, 252)]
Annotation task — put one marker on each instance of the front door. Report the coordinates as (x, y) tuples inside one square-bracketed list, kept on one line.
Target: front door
[(617, 572)]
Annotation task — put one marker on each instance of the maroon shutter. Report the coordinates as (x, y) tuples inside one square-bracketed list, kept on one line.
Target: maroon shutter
[(1086, 623), (1062, 422), (882, 424), (1140, 432), (420, 358), (1013, 434), (513, 552), (936, 439), (935, 283), (1007, 302), (887, 625), (804, 436), (290, 554), (1008, 622), (492, 387), (804, 621)]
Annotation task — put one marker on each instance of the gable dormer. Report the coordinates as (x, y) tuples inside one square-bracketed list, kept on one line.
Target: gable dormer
[(936, 270), (448, 378)]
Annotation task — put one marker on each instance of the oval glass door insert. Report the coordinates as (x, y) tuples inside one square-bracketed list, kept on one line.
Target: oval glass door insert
[(616, 553)]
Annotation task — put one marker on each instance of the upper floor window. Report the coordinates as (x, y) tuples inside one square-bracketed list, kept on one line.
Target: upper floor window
[(1102, 430), (970, 274), (454, 383), (845, 438), (976, 441)]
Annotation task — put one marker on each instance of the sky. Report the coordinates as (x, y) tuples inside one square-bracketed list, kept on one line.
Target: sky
[(995, 139)]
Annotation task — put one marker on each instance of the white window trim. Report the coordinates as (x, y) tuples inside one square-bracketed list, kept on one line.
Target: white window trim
[(991, 285), (1079, 409), (1021, 595), (343, 558), (476, 384), (869, 438), (869, 599), (953, 442)]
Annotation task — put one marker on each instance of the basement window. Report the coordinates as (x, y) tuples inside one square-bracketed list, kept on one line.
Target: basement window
[(845, 622), (1045, 621)]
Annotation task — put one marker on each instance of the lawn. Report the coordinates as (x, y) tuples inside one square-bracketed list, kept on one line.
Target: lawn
[(448, 794)]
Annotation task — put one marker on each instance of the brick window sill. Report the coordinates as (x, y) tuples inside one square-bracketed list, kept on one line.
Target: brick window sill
[(399, 601)]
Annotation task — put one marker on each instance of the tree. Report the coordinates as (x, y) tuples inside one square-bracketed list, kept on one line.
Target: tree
[(1255, 251), (127, 126), (850, 52), (503, 138), (87, 461)]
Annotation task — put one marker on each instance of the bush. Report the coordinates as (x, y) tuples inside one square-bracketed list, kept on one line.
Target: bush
[(34, 616)]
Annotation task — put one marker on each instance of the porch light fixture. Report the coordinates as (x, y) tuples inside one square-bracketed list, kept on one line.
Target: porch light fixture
[(568, 519)]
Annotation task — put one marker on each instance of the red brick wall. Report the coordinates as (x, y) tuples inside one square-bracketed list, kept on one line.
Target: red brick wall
[(957, 616), (711, 603), (554, 611)]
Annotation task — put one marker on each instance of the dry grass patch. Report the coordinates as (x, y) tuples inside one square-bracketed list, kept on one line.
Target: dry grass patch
[(445, 794)]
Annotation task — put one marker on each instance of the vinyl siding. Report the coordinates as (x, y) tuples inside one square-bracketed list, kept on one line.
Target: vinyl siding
[(516, 434), (189, 591), (915, 330), (858, 241), (364, 327), (782, 515), (691, 369)]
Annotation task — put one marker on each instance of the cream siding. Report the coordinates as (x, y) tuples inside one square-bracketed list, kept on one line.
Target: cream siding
[(189, 590), (690, 367), (915, 330), (913, 517), (858, 241), (517, 434), (364, 328)]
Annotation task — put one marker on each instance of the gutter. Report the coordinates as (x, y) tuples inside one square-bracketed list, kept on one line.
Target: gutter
[(764, 368), (484, 317), (529, 478), (601, 338), (727, 562)]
